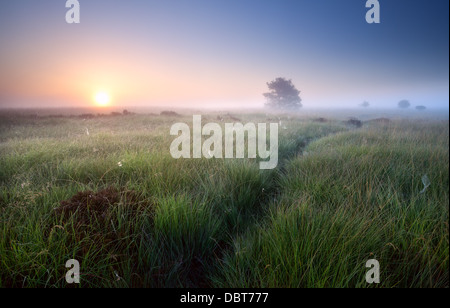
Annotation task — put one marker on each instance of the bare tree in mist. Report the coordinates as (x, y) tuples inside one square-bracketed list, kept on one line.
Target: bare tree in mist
[(283, 95), (404, 104)]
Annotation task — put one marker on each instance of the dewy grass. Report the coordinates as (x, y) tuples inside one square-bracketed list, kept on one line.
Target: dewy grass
[(350, 200), (339, 197)]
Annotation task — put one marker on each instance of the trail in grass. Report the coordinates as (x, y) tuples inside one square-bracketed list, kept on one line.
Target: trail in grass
[(251, 217), (357, 196)]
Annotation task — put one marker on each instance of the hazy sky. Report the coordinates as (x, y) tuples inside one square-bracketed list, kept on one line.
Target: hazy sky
[(222, 52)]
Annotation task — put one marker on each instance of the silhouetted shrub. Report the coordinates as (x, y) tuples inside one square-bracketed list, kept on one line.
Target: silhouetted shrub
[(404, 104), (354, 122), (87, 116), (170, 114)]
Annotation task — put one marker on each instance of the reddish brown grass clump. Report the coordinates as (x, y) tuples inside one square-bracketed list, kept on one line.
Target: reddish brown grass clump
[(91, 206)]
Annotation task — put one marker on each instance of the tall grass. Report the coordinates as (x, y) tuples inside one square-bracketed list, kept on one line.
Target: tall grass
[(354, 197), (339, 197)]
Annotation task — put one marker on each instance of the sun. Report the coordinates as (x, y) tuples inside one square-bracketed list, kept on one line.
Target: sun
[(102, 99)]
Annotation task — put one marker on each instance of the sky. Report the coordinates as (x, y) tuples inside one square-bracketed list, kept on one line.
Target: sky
[(221, 53)]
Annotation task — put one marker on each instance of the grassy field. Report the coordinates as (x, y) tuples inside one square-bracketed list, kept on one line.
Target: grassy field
[(106, 191)]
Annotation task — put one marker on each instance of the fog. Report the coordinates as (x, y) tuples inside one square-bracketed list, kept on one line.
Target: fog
[(220, 55)]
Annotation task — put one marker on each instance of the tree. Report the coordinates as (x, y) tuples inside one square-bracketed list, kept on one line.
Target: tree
[(404, 104), (365, 104), (283, 95)]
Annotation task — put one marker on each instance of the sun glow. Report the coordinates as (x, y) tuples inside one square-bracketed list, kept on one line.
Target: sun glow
[(102, 99)]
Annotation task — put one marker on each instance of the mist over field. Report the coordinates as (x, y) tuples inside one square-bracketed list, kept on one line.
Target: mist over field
[(103, 189)]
